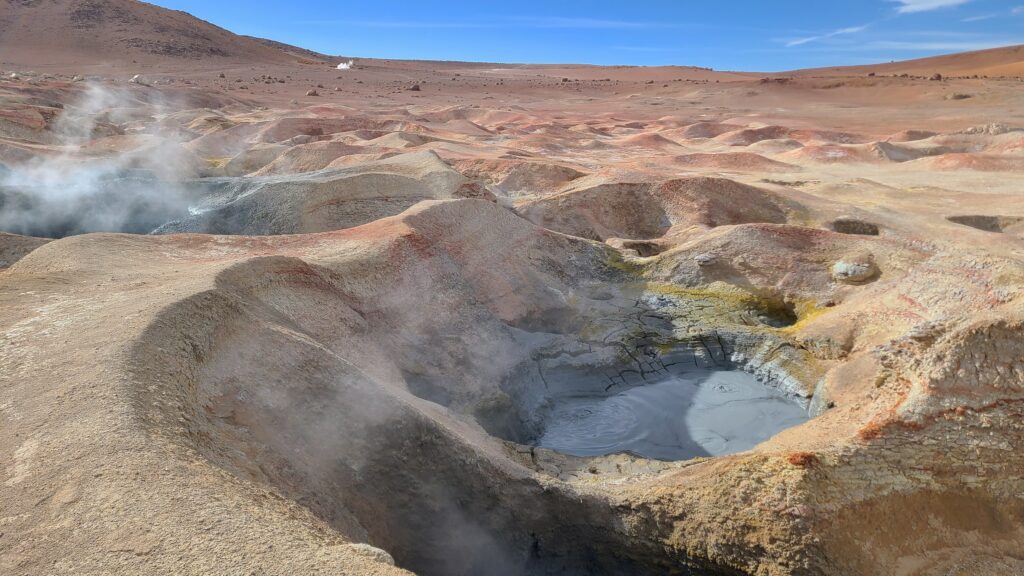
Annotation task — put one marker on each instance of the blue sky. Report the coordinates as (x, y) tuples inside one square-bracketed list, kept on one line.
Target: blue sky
[(756, 35)]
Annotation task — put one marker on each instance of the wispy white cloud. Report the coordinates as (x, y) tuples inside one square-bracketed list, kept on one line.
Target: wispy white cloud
[(916, 41), (1015, 11), (912, 6), (834, 33)]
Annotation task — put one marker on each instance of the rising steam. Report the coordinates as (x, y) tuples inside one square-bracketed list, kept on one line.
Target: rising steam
[(74, 190)]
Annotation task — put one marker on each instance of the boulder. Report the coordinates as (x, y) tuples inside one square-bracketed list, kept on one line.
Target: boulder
[(854, 270)]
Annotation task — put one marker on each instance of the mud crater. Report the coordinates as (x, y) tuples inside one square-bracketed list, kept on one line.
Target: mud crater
[(854, 226), (688, 402), (354, 439), (997, 224), (128, 201)]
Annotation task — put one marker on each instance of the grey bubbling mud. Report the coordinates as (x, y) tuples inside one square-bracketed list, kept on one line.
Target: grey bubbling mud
[(682, 416)]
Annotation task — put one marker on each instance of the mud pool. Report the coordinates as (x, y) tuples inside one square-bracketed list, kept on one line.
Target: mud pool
[(698, 413)]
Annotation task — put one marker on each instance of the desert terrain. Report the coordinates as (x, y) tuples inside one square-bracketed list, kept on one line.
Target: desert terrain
[(260, 314)]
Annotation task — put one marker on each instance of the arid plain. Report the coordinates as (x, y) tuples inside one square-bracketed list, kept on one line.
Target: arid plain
[(336, 306)]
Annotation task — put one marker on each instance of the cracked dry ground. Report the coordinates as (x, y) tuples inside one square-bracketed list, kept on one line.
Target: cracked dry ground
[(346, 378)]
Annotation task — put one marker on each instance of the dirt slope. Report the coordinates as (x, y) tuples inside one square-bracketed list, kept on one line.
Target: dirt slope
[(1006, 61), (91, 31)]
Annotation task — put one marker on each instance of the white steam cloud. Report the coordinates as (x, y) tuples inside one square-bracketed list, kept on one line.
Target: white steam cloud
[(81, 187)]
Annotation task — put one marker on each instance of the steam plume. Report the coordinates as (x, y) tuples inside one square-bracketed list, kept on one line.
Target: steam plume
[(71, 192)]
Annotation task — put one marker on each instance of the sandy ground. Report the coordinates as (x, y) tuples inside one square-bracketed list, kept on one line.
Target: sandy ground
[(132, 442), (336, 353)]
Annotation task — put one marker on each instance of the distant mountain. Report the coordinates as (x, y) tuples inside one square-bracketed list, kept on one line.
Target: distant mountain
[(1007, 61), (55, 32), (301, 53)]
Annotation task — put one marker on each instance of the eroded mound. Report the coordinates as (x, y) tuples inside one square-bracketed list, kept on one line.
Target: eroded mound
[(638, 211), (323, 200), (736, 161), (14, 247), (624, 210)]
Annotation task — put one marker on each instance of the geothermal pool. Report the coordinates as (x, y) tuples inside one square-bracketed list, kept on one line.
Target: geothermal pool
[(698, 413)]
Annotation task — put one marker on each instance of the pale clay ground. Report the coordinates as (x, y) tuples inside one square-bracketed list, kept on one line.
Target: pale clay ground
[(270, 404)]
